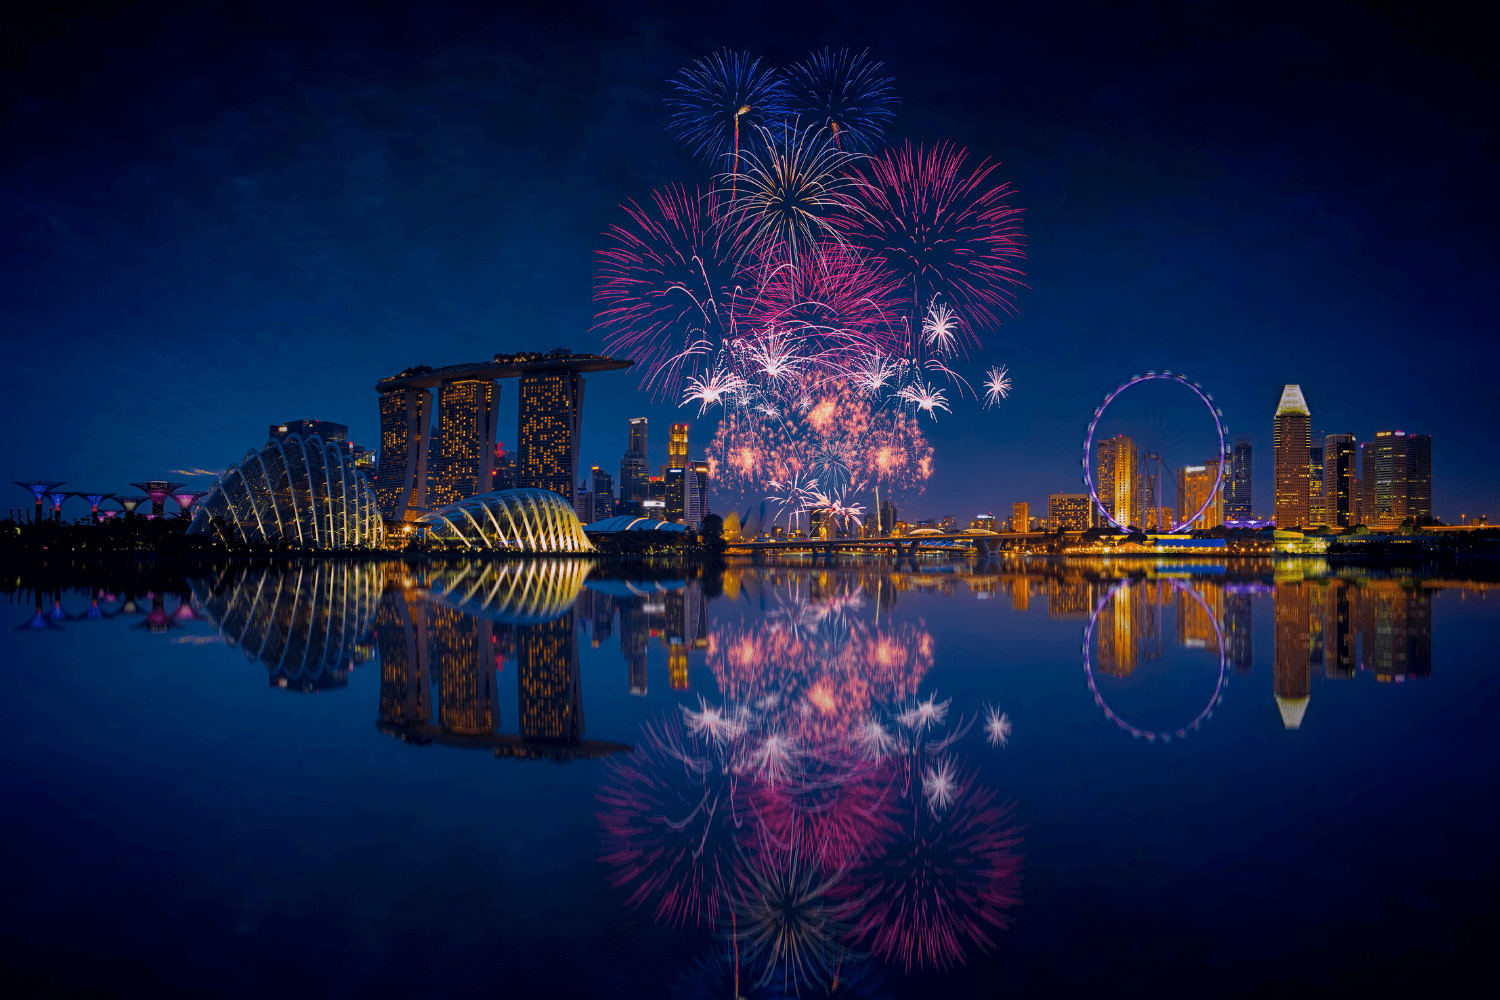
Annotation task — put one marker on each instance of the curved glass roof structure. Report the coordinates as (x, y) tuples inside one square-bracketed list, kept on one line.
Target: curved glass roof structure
[(295, 489), (307, 624), (625, 522), (524, 520)]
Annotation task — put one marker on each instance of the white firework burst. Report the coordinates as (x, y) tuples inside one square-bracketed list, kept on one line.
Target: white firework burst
[(940, 329), (940, 785), (712, 722), (874, 740), (996, 726), (921, 396), (923, 714), (996, 386), (716, 388), (772, 760)]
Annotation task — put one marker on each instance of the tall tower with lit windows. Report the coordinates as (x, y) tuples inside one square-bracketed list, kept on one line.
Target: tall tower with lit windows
[(1292, 429), (551, 420)]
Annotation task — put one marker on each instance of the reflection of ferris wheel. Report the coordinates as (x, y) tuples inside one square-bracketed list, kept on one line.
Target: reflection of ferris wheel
[(1213, 411), (1088, 667)]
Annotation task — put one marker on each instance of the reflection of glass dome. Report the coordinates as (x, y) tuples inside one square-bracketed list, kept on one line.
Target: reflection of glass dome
[(306, 623), (525, 520), (516, 593), (296, 489)]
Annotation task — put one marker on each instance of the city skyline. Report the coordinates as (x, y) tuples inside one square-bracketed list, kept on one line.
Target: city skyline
[(1137, 233)]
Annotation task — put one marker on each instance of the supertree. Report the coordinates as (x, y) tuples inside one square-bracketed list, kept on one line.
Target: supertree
[(940, 228), (948, 875), (845, 93), (719, 96)]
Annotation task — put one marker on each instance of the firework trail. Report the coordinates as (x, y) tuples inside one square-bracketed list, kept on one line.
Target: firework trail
[(940, 228), (667, 286), (946, 878), (720, 96), (921, 396), (844, 93), (996, 386), (798, 190)]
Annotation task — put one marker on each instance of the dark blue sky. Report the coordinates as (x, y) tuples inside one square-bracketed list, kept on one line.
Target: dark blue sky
[(220, 216)]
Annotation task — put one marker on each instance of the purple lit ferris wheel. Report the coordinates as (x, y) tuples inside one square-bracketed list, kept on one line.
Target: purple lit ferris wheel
[(1213, 411)]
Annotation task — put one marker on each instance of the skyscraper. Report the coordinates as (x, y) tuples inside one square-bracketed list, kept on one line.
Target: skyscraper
[(1195, 487), (888, 517), (463, 460), (1339, 480), (604, 494), (1237, 502), (697, 486), (1316, 512), (634, 472), (1292, 429), (677, 447), (550, 423), (1114, 479), (1396, 469), (676, 493), (401, 480)]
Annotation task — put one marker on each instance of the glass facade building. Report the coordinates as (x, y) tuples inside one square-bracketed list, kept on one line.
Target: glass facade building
[(1114, 479), (1292, 432), (1339, 480), (1396, 474), (306, 492), (1237, 499), (1070, 511), (521, 520)]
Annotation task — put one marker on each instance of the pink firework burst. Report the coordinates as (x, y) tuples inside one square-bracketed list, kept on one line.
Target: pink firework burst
[(946, 879), (837, 813), (671, 824), (667, 285), (940, 227)]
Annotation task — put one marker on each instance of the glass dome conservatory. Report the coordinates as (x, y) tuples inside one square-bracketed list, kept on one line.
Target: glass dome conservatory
[(525, 520), (298, 490)]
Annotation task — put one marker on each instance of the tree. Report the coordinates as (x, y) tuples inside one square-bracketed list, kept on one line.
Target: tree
[(712, 534)]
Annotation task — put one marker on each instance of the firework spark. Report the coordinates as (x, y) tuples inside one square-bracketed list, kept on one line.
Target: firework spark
[(923, 714), (714, 389), (996, 386), (845, 93), (787, 923), (939, 784), (712, 722), (996, 726), (874, 740), (940, 329)]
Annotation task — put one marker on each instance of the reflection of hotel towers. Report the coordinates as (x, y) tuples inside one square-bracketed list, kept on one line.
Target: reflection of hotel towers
[(674, 617), (1069, 598), (551, 693), (1130, 628), (1237, 631), (1293, 659), (1020, 593), (1195, 627)]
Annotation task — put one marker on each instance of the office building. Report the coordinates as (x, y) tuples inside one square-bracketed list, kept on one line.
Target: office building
[(1339, 481), (675, 494), (888, 517), (677, 447), (1396, 478), (1115, 479), (1316, 512), (603, 488), (1070, 511), (1195, 488), (462, 463), (504, 476), (583, 504), (1020, 516), (1237, 498), (1292, 458), (633, 469), (638, 435), (697, 503)]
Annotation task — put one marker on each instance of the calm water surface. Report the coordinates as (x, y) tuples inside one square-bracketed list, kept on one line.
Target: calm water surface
[(464, 779)]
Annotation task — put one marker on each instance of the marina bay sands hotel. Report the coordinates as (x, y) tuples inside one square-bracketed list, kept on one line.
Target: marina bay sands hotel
[(424, 466)]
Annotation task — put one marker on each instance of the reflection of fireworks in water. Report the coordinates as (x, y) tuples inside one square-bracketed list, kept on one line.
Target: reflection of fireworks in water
[(836, 813), (944, 882), (787, 924), (670, 824), (844, 93)]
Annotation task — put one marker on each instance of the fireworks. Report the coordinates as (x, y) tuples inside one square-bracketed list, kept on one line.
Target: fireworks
[(838, 509), (798, 190), (996, 726), (939, 784), (718, 97), (713, 389), (921, 396), (845, 93), (788, 924), (940, 329), (923, 714), (712, 723), (945, 880), (941, 228), (874, 740), (996, 386)]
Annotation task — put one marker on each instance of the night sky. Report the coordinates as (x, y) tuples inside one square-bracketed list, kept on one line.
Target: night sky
[(221, 216)]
